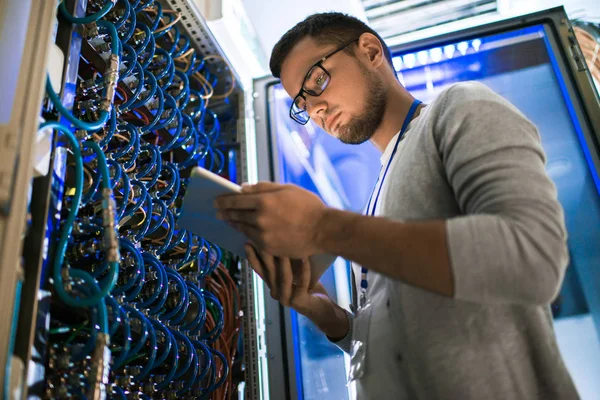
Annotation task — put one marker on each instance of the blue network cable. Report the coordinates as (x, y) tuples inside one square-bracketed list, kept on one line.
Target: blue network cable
[(134, 146), (168, 70), (125, 15), (151, 353), (153, 85), (139, 70), (190, 354), (131, 25), (188, 251), (182, 294), (88, 126), (159, 14), (125, 348), (135, 314), (112, 126), (95, 298), (88, 19), (208, 360), (168, 342), (173, 365), (197, 323), (115, 319), (171, 227), (161, 217), (221, 357), (214, 333), (138, 266), (189, 382), (159, 286)]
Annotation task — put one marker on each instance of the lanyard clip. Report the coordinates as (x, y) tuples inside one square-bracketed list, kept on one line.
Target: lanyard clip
[(363, 298)]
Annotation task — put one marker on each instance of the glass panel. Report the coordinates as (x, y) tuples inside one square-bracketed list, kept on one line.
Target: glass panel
[(520, 66), (312, 159)]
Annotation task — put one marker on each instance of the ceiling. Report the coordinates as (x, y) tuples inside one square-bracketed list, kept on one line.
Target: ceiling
[(272, 19), (392, 18), (402, 21)]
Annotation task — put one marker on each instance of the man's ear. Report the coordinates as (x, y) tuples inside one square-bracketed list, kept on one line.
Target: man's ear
[(370, 46)]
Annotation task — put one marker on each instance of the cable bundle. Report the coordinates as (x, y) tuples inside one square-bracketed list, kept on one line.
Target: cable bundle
[(147, 310)]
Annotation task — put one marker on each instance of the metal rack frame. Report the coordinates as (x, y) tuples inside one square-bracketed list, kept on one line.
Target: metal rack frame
[(254, 331), (17, 154)]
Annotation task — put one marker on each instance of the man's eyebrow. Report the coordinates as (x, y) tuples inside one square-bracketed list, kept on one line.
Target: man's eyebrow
[(303, 79)]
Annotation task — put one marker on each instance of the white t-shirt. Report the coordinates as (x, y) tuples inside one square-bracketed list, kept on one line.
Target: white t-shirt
[(384, 357)]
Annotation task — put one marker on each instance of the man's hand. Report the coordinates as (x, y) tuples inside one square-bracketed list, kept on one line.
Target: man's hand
[(288, 281), (281, 219)]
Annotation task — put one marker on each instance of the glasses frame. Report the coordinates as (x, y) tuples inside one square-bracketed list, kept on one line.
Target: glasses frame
[(303, 91)]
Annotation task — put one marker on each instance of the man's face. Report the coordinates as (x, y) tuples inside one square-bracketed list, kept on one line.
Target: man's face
[(352, 106)]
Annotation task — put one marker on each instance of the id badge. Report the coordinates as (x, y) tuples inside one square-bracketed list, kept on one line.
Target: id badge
[(360, 338)]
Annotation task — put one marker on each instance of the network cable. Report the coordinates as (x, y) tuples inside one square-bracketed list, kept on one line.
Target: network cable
[(154, 310)]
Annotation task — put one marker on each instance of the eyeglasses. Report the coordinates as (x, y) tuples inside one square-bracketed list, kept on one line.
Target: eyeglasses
[(314, 84)]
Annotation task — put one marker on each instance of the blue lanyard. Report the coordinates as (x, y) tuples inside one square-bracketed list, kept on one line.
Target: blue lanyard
[(364, 284)]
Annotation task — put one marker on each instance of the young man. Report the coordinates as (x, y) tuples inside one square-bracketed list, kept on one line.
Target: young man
[(462, 246)]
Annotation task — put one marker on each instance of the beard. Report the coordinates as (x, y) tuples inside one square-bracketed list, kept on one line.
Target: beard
[(362, 127)]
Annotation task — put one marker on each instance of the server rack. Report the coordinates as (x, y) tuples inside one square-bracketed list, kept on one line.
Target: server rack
[(24, 351)]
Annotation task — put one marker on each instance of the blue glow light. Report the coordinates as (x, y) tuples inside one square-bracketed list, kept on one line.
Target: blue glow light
[(476, 44), (463, 47), (397, 61), (436, 54), (449, 50), (423, 57), (410, 60)]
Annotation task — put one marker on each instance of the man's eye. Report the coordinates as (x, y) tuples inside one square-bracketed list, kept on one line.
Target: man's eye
[(321, 79)]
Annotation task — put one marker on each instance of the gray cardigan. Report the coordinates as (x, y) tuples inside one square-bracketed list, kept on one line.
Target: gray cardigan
[(474, 160)]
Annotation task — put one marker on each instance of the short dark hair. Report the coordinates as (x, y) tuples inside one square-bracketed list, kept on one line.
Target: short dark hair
[(325, 28)]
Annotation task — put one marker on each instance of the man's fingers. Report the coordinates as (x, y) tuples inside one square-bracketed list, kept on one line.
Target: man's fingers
[(304, 274), (238, 202), (261, 187), (270, 271), (251, 232), (247, 217), (251, 198), (285, 280)]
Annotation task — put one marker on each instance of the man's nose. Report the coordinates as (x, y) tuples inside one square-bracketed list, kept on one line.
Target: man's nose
[(316, 107)]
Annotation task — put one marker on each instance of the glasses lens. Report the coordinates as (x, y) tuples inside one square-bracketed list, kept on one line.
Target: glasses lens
[(298, 110), (316, 81)]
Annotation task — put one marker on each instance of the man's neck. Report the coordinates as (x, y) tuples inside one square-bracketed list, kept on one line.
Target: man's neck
[(397, 107)]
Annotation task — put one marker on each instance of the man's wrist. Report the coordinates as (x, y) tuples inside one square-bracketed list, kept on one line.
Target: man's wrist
[(321, 231), (344, 342), (330, 318), (340, 330), (328, 227)]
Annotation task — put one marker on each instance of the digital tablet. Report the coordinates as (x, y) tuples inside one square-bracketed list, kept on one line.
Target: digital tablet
[(199, 216)]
